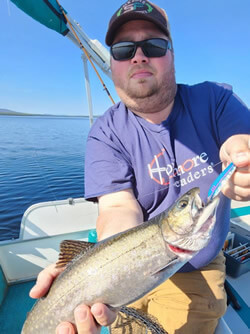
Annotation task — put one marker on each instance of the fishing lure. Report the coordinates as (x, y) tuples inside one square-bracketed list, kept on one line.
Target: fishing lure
[(220, 181)]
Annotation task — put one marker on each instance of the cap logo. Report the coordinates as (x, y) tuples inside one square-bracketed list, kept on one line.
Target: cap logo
[(140, 6)]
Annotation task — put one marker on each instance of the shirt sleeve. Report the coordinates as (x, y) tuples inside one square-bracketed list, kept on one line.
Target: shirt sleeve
[(233, 116), (107, 169)]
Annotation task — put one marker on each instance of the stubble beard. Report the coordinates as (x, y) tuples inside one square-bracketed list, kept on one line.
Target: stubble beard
[(144, 98)]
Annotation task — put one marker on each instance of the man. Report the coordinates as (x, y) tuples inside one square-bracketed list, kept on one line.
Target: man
[(149, 149)]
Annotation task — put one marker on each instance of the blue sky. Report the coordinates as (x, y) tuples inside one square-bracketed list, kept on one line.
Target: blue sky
[(42, 71)]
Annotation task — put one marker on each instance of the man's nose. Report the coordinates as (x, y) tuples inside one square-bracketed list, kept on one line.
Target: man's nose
[(139, 57)]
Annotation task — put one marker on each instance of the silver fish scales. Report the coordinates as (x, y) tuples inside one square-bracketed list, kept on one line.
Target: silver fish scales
[(145, 255)]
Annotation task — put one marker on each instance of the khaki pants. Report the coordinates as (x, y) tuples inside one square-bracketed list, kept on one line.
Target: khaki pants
[(187, 303)]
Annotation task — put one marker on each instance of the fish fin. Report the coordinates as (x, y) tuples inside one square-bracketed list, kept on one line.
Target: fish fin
[(174, 261), (133, 320), (69, 249)]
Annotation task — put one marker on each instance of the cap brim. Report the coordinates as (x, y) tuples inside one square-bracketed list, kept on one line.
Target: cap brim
[(113, 28)]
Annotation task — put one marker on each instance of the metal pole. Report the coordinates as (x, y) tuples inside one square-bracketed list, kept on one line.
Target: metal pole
[(88, 89)]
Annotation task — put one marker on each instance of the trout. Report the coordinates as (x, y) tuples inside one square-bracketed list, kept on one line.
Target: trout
[(123, 268)]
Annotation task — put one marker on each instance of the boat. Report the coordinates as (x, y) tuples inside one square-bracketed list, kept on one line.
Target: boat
[(45, 225)]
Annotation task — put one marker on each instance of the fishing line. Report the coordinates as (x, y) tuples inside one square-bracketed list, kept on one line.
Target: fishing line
[(85, 52), (218, 163), (54, 195), (139, 198), (167, 186), (35, 155)]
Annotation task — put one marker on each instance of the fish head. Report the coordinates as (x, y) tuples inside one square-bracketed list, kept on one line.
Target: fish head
[(188, 224)]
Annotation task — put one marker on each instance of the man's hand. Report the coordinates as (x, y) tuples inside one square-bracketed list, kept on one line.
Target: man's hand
[(236, 149), (88, 319)]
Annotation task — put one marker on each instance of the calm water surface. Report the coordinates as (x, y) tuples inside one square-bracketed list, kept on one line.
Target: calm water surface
[(41, 159)]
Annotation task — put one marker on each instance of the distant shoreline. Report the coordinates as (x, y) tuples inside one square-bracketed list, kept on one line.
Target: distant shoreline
[(37, 115), (6, 112)]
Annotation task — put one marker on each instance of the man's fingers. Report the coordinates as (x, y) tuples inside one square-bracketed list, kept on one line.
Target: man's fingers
[(235, 192), (88, 320), (103, 314), (237, 150), (44, 281), (85, 322), (241, 177), (238, 187), (65, 328), (241, 158)]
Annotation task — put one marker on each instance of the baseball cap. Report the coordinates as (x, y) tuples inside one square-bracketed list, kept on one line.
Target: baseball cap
[(137, 10)]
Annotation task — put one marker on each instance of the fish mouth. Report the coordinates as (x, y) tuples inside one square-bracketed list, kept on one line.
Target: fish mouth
[(197, 205), (203, 214), (178, 250), (198, 234)]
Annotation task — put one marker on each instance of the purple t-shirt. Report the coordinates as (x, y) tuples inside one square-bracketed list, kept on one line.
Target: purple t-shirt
[(160, 162)]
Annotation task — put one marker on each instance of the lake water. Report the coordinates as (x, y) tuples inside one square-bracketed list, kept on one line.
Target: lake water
[(41, 159)]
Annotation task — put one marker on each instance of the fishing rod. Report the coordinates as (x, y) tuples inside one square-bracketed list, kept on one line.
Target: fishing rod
[(85, 52)]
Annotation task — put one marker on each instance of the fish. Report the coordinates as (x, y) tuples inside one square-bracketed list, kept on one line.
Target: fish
[(124, 267)]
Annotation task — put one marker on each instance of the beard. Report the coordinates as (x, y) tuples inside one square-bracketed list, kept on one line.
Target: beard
[(147, 96)]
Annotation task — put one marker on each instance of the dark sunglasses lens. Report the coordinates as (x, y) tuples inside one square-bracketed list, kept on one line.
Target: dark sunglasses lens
[(122, 50), (155, 47)]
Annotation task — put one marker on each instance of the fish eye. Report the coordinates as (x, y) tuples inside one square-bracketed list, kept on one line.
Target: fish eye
[(182, 204)]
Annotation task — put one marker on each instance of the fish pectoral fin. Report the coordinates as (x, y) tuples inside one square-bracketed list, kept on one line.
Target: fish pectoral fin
[(132, 320), (161, 269), (69, 249)]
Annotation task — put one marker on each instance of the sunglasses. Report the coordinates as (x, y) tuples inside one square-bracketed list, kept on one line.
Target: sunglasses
[(153, 47)]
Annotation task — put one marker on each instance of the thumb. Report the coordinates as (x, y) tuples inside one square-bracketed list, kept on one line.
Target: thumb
[(237, 150)]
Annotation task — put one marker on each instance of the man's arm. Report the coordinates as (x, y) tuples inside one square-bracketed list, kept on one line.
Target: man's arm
[(118, 212)]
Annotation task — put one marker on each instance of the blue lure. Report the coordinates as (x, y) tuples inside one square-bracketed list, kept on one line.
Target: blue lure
[(220, 181)]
